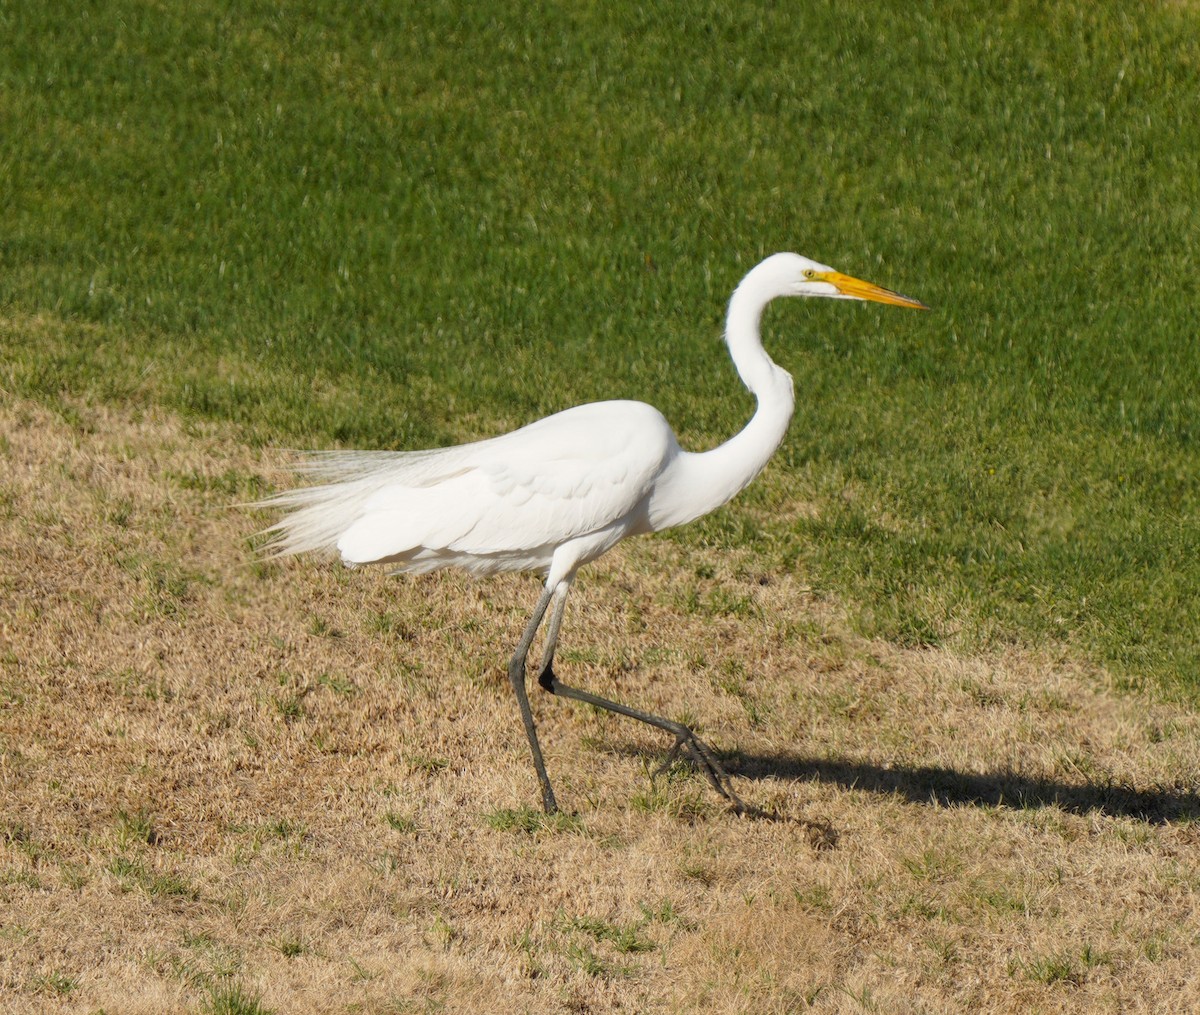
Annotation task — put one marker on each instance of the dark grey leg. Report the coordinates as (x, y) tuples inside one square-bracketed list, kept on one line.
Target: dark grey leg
[(554, 624), (697, 750), (516, 675)]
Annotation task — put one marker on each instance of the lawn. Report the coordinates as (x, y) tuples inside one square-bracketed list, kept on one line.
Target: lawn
[(400, 229), (234, 788), (230, 229)]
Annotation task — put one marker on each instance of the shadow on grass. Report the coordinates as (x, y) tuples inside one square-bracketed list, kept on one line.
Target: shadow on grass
[(946, 786)]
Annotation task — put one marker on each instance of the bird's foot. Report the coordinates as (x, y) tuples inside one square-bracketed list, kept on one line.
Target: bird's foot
[(703, 757)]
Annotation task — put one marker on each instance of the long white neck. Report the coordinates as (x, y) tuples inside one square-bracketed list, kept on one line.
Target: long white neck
[(700, 483)]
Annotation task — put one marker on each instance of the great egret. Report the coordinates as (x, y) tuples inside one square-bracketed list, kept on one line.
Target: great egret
[(560, 492)]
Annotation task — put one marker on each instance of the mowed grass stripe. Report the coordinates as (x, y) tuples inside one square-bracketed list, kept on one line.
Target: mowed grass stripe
[(231, 786), (407, 227)]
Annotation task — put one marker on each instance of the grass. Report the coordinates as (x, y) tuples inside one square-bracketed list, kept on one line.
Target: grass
[(131, 873), (949, 641), (1004, 832), (54, 983), (406, 227), (399, 822), (232, 999), (531, 821), (625, 939)]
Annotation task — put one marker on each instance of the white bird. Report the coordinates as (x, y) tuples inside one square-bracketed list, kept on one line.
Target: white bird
[(558, 493)]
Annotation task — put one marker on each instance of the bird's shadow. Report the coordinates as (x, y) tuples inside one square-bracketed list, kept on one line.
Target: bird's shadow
[(949, 787)]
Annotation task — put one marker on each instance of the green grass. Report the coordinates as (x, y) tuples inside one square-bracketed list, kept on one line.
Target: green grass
[(54, 983), (135, 829), (399, 822), (134, 874), (233, 999), (400, 226), (624, 938), (532, 821)]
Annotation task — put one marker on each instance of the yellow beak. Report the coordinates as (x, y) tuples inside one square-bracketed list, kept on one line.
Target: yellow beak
[(859, 289)]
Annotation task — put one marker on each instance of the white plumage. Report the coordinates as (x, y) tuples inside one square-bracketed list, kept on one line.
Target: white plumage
[(559, 492), (579, 478)]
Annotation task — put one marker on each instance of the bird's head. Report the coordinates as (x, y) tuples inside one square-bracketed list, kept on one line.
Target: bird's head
[(793, 275)]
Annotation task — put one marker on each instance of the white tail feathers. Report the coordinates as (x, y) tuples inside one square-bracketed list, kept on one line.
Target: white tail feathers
[(317, 516)]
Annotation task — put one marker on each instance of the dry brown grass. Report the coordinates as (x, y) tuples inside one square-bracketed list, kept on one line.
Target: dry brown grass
[(231, 787)]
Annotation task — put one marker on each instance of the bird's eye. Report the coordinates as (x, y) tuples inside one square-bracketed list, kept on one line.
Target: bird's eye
[(809, 273)]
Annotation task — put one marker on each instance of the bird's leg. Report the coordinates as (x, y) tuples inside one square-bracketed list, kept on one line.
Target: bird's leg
[(697, 749), (553, 626), (516, 675)]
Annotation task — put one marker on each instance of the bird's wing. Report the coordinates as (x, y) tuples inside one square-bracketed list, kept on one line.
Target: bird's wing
[(568, 475)]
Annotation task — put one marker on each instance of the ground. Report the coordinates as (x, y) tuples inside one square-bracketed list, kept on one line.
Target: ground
[(236, 787)]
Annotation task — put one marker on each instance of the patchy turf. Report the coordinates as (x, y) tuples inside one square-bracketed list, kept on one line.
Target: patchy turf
[(235, 787)]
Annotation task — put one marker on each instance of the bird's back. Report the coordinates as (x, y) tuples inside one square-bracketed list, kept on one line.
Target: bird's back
[(506, 503)]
